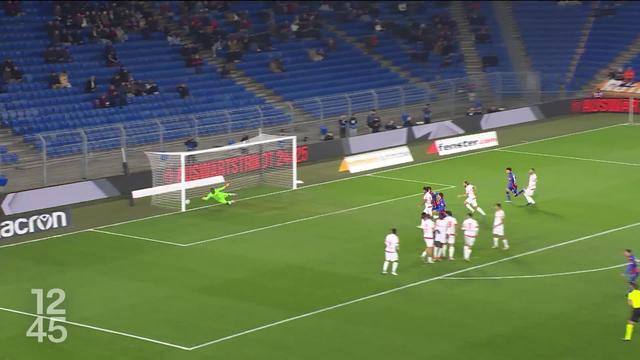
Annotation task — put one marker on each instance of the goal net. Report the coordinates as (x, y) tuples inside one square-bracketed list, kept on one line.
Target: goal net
[(181, 177)]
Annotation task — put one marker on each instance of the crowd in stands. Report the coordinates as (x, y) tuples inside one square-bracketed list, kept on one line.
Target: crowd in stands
[(59, 80), (10, 72), (12, 8), (100, 21), (627, 76)]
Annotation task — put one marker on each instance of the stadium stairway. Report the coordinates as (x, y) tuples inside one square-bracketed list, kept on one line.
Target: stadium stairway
[(584, 36), (472, 59), (622, 59), (513, 39)]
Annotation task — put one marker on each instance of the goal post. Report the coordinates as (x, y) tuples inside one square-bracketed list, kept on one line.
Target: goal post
[(267, 161)]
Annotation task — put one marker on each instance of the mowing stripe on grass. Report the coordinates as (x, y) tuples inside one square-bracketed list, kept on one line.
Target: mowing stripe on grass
[(569, 157), (136, 237), (323, 183), (411, 285), (109, 331), (538, 276), (337, 212)]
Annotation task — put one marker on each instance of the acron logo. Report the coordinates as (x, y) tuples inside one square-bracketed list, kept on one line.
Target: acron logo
[(34, 224)]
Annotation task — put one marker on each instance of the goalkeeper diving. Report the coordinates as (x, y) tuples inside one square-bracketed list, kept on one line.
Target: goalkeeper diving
[(219, 195)]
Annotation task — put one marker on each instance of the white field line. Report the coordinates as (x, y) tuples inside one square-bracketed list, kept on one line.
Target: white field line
[(407, 180), (337, 212), (322, 183), (569, 157), (114, 332), (411, 285), (136, 237), (567, 273)]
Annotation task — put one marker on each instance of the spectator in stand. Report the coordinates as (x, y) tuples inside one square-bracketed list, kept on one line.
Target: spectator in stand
[(276, 66), (10, 71), (56, 54), (447, 60), (12, 8), (353, 125), (598, 94), (629, 76), (112, 95), (54, 81), (426, 114), (373, 121), (377, 26), (183, 90), (331, 45), (342, 123), (475, 109), (61, 80), (90, 86), (195, 61), (173, 39), (102, 102), (315, 55), (406, 120)]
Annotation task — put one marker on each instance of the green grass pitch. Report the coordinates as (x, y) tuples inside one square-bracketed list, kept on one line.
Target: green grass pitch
[(296, 275)]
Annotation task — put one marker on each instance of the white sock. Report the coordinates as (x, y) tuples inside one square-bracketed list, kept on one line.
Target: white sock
[(385, 266), (467, 253), (495, 242), (505, 243), (481, 211), (445, 249), (429, 259), (529, 199), (394, 267), (451, 251), (470, 208), (439, 252), (424, 253)]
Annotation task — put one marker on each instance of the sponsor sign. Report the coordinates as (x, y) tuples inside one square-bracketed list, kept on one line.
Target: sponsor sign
[(237, 165), (10, 228), (618, 86), (376, 159), (604, 105), (463, 143)]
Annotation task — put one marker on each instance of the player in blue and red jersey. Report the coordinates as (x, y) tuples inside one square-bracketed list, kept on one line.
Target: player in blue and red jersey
[(512, 186), (440, 206), (632, 271)]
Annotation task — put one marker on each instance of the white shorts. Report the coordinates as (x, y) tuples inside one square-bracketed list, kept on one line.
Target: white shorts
[(469, 241), (529, 192), (451, 239), (441, 238), (390, 256), (428, 242), (428, 210), (498, 230), (472, 202)]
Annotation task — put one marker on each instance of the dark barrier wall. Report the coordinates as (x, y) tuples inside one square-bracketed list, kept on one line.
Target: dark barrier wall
[(556, 108)]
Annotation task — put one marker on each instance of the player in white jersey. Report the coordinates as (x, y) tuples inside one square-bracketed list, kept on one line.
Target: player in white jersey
[(451, 234), (391, 247), (470, 228), (498, 228), (471, 202), (442, 226), (428, 226), (531, 187), (427, 200)]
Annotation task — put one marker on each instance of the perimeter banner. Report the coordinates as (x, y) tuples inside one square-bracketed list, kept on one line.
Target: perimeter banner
[(376, 159), (464, 143)]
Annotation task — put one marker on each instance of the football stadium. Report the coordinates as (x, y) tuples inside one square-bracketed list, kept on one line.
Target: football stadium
[(319, 179)]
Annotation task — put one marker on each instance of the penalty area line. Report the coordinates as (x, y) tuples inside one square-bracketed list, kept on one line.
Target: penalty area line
[(410, 285), (568, 157), (537, 276), (95, 328), (136, 237)]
